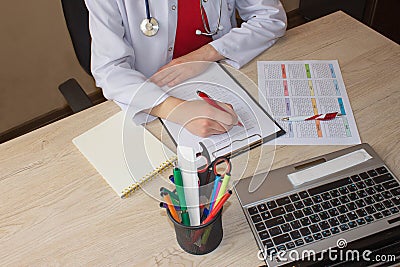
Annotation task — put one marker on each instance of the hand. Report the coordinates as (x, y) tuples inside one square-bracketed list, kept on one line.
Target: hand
[(198, 117), (177, 71)]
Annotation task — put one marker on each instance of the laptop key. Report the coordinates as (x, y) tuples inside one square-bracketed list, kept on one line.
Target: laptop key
[(369, 200), (335, 193), (281, 248), (353, 196), (344, 199), (342, 209), (364, 175), (308, 202), (370, 209), (356, 178), (381, 170), (379, 188), (383, 178), (372, 173), (299, 205), (335, 230), (361, 213), (324, 215), (388, 203), (271, 204), (386, 194), (304, 194), (289, 217), (386, 213), (317, 199), (290, 245), (326, 205), (352, 224), (352, 188), (396, 201), (394, 210), (395, 192), (361, 221), (295, 234), (314, 218), (308, 239), (260, 226), (317, 236), (252, 210), (361, 193), (378, 197), (262, 207), (326, 233), (317, 208), (378, 216), (333, 212), (314, 228), (294, 197), (281, 239), (379, 207), (352, 215), (277, 211), (299, 242), (305, 221), (343, 219), (307, 211), (351, 206), (298, 214), (256, 218), (324, 225), (263, 235), (266, 215), (370, 191), (289, 208), (275, 231), (305, 231), (295, 224), (344, 227), (271, 251), (268, 243), (286, 228), (369, 219), (274, 222), (326, 196), (333, 222), (369, 182), (283, 201), (360, 203)]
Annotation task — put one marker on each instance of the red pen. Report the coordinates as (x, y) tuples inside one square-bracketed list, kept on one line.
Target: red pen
[(218, 207), (212, 102)]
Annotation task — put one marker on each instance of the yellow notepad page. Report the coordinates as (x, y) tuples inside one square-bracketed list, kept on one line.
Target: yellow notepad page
[(104, 148)]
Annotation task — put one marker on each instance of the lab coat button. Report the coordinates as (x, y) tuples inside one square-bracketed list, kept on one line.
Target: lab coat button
[(173, 7), (170, 49)]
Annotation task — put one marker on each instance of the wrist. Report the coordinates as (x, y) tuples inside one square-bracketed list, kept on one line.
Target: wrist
[(164, 109)]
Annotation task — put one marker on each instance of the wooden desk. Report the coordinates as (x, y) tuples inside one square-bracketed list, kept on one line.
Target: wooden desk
[(57, 210)]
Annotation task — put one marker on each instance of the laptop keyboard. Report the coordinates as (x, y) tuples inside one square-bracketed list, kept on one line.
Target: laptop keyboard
[(321, 212)]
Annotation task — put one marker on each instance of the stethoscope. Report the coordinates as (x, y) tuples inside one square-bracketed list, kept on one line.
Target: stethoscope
[(150, 26)]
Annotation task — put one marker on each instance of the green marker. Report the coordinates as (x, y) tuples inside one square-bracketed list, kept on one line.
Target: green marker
[(181, 194)]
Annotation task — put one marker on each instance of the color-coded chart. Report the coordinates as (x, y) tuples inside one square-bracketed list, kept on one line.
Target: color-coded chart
[(307, 88)]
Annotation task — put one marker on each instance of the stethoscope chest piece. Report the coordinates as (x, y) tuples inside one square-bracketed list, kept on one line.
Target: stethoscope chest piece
[(149, 27)]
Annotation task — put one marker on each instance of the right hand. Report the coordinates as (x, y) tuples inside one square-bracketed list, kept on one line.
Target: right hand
[(197, 116)]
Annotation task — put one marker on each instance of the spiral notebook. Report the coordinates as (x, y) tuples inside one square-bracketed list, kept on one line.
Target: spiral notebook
[(114, 142)]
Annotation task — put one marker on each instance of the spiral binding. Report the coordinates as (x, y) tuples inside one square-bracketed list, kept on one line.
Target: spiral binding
[(132, 188)]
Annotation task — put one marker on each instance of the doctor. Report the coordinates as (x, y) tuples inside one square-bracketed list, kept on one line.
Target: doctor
[(134, 40)]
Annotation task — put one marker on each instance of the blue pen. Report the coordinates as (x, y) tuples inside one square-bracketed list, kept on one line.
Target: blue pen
[(214, 192)]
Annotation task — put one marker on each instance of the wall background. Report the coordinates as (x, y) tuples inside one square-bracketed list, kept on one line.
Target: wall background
[(36, 57)]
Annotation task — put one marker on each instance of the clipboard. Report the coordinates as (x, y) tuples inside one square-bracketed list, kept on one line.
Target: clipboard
[(218, 82)]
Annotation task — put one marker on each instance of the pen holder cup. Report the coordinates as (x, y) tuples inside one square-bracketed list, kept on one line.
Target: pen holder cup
[(199, 240)]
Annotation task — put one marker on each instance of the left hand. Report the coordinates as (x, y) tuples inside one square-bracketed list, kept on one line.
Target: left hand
[(177, 71)]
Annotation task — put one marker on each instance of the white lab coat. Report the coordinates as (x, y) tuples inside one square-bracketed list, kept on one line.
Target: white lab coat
[(123, 57)]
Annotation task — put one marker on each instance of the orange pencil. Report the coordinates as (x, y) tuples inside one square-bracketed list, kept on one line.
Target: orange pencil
[(171, 208)]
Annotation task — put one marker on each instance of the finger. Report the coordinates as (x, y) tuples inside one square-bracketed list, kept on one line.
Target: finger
[(224, 117), (171, 77), (229, 108), (160, 75)]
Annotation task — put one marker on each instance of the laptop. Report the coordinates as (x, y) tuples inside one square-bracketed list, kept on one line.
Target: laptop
[(353, 210)]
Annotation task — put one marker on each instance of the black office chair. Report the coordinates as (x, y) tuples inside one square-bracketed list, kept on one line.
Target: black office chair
[(77, 19)]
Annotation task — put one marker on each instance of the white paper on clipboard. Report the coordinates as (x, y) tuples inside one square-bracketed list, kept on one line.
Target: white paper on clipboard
[(215, 82)]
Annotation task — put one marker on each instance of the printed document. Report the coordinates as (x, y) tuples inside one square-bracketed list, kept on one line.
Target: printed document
[(307, 88)]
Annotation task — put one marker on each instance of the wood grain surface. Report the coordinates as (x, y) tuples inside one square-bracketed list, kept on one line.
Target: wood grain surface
[(56, 210)]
